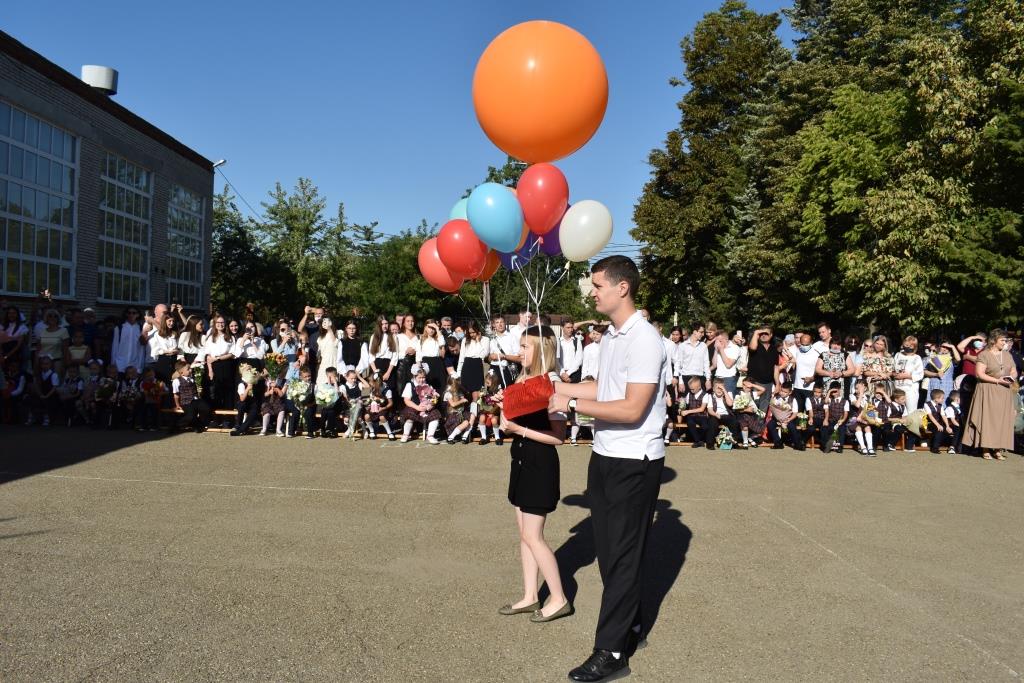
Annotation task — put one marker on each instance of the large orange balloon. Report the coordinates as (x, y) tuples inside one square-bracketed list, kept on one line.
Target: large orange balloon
[(540, 91)]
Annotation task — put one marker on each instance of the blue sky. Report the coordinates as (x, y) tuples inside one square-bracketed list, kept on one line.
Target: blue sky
[(370, 100)]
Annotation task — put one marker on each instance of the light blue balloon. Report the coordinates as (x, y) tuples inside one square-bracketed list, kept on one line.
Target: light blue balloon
[(459, 210), (496, 216)]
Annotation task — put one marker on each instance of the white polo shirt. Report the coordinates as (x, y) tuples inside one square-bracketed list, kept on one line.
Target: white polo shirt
[(634, 354)]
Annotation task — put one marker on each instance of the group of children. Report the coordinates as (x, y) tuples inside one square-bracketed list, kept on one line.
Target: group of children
[(718, 419), (88, 393)]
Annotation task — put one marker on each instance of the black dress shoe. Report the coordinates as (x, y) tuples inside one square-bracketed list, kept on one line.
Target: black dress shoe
[(483, 440), (600, 666), (499, 442)]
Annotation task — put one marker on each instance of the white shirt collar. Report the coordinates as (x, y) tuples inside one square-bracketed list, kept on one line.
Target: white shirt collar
[(626, 326)]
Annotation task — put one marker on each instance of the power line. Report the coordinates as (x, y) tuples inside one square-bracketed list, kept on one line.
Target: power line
[(238, 194)]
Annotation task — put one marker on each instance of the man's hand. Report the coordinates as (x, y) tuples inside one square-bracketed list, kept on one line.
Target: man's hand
[(558, 404)]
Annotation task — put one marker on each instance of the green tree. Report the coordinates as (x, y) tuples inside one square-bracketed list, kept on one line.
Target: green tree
[(689, 212), (243, 271)]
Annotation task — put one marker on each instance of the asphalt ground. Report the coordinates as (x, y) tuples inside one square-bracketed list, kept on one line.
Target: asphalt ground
[(126, 557)]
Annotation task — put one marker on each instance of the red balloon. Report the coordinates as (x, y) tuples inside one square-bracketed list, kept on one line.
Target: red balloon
[(461, 251), (435, 272), (493, 263), (544, 196)]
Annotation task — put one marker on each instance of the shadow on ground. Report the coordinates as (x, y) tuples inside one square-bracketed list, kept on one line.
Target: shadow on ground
[(667, 545), (33, 450)]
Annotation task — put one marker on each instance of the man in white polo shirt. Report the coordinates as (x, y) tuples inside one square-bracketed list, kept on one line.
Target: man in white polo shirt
[(625, 468)]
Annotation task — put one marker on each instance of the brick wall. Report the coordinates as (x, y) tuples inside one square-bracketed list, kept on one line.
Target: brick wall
[(100, 131)]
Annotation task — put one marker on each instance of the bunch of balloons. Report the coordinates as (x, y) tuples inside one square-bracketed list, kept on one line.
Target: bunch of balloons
[(540, 92)]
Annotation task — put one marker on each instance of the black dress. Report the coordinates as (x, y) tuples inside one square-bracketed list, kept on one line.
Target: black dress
[(533, 483)]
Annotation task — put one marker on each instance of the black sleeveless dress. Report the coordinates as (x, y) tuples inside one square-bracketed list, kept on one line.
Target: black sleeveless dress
[(533, 483)]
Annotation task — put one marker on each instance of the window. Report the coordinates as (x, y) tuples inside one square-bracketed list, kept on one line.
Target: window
[(185, 248), (37, 205), (123, 244)]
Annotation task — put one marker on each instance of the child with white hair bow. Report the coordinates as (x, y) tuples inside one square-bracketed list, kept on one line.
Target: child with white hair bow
[(420, 401)]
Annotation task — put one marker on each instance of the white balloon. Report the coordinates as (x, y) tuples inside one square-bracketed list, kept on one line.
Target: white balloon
[(586, 230)]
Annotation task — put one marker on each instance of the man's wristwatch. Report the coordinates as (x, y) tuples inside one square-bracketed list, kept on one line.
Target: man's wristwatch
[(571, 404)]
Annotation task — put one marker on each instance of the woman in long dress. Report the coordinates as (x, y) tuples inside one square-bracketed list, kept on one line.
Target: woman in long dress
[(327, 350), (989, 424)]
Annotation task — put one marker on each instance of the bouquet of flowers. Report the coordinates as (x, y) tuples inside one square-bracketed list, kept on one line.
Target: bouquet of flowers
[(325, 396), (724, 440), (488, 403), (374, 403), (249, 374), (275, 362), (916, 422), (426, 394), (869, 415), (744, 401), (801, 421), (105, 390), (199, 376), (297, 391)]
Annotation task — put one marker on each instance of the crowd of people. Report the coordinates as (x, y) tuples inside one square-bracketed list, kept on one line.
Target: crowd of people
[(443, 379)]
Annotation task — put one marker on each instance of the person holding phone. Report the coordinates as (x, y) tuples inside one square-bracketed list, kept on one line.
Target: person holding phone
[(989, 424)]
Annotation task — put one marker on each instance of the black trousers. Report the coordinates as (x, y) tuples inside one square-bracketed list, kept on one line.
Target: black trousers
[(197, 415), (696, 426), (714, 422), (622, 494)]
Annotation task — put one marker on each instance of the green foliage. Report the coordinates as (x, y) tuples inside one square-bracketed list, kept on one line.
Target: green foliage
[(873, 178)]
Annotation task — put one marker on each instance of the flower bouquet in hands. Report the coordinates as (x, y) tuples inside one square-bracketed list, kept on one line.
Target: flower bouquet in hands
[(105, 390), (199, 376), (744, 401), (325, 396), (426, 394), (298, 392), (275, 363)]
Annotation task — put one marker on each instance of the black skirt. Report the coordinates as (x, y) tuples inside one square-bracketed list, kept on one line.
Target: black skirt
[(472, 375), (533, 482), (435, 373), (222, 389)]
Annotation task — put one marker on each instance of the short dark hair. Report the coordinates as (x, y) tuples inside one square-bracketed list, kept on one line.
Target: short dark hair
[(618, 269)]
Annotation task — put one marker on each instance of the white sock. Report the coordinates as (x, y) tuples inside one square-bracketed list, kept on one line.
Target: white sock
[(574, 432), (431, 428), (266, 422), (870, 437), (280, 422), (483, 431), (746, 436), (455, 434), (497, 433), (407, 429), (369, 428), (617, 655), (387, 427), (860, 440)]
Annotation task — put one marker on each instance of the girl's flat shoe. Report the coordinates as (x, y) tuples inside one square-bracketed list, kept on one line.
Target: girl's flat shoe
[(508, 610), (563, 611)]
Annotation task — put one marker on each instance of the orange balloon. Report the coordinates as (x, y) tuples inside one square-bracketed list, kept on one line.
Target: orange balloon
[(522, 238), (491, 267), (540, 91)]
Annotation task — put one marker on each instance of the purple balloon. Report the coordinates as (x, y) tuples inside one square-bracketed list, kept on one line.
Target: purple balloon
[(517, 259), (551, 246)]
